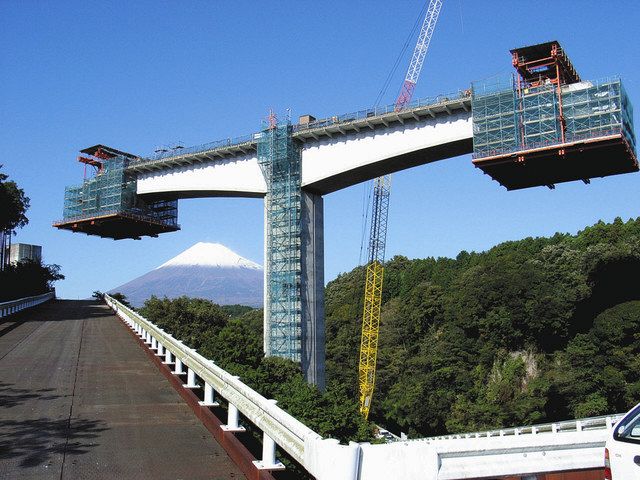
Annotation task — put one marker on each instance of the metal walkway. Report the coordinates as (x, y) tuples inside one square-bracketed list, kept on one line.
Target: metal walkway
[(80, 399)]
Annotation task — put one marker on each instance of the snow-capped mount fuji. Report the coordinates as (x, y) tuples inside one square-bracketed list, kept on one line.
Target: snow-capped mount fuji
[(206, 270), (210, 255)]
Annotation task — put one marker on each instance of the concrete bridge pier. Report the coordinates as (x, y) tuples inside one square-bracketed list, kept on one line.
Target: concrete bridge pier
[(310, 320), (312, 288)]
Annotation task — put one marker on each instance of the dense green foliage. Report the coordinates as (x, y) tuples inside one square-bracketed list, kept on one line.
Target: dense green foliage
[(535, 330), (27, 278), (13, 205), (232, 337)]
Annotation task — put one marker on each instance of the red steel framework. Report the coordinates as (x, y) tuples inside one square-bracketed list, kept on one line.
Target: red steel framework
[(540, 65)]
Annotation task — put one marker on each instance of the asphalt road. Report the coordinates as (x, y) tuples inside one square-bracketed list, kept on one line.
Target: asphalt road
[(79, 399)]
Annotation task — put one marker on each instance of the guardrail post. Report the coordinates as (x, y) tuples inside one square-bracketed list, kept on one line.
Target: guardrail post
[(609, 422), (269, 461), (209, 399), (167, 357), (160, 349), (178, 368), (154, 343), (232, 420), (191, 379)]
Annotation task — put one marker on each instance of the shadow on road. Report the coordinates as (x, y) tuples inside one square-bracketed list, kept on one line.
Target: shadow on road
[(11, 396), (34, 441)]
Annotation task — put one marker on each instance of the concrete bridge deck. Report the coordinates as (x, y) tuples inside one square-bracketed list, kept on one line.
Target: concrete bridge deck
[(80, 399)]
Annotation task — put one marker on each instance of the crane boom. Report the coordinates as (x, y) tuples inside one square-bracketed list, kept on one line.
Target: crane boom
[(419, 54), (373, 292), (378, 233)]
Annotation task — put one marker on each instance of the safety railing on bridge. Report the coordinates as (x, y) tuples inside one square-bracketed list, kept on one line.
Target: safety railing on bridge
[(558, 447), (250, 140), (383, 110), (14, 306), (279, 427), (605, 422)]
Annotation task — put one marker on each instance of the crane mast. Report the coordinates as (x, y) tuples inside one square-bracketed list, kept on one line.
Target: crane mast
[(378, 232)]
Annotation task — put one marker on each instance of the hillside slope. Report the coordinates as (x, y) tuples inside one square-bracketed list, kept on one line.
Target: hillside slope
[(533, 330)]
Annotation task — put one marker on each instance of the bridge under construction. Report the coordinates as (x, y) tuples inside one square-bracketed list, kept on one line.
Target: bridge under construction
[(541, 126)]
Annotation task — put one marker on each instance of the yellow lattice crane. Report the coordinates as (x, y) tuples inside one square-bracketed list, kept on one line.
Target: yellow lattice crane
[(378, 234), (373, 292)]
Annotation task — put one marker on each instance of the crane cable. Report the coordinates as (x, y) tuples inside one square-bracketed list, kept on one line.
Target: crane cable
[(394, 69), (367, 187)]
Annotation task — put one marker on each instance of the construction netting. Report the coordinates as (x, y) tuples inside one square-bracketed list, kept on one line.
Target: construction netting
[(280, 160), (506, 122), (113, 191)]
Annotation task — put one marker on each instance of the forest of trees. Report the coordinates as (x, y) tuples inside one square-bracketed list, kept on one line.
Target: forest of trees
[(530, 331), (536, 330), (231, 336), (27, 278)]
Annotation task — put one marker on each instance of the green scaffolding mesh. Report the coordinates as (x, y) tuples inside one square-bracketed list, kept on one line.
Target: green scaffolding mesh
[(279, 158), (504, 122), (113, 191)]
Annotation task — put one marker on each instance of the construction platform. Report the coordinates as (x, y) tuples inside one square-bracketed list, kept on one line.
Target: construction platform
[(545, 125), (106, 203), (118, 226), (80, 399)]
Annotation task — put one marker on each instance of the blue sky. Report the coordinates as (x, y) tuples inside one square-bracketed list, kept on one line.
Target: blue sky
[(134, 75)]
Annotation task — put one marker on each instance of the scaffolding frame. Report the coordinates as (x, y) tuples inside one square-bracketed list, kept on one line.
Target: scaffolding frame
[(108, 205), (504, 122), (280, 159), (545, 125)]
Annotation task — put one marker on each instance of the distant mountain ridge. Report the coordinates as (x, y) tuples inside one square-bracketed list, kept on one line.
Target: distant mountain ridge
[(206, 270)]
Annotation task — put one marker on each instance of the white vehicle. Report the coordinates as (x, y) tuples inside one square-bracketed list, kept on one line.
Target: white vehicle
[(622, 452)]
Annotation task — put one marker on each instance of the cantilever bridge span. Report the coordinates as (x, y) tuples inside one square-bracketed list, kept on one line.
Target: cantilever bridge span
[(545, 126)]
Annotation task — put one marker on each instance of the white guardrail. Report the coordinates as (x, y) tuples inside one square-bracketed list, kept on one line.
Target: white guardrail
[(565, 446), (14, 306)]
